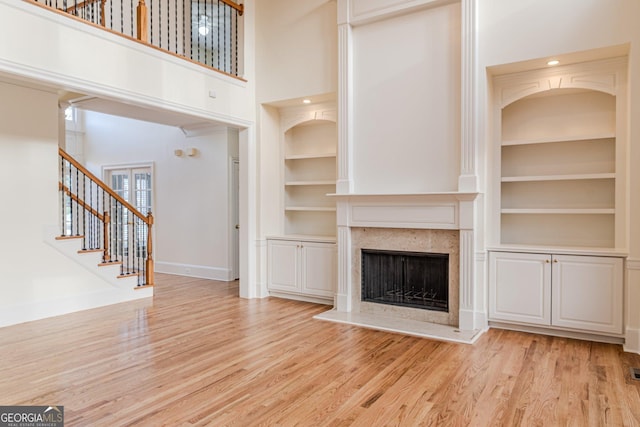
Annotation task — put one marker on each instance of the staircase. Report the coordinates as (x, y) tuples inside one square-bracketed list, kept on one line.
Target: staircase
[(101, 230)]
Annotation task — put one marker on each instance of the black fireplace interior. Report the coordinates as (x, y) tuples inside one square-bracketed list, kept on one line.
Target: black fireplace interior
[(409, 279)]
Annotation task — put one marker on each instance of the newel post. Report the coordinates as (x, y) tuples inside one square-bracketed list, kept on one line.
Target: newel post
[(149, 269), (143, 28), (105, 234)]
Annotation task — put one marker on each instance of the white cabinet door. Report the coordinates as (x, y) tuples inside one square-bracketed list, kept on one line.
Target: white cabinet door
[(587, 293), (520, 287), (318, 268), (283, 263)]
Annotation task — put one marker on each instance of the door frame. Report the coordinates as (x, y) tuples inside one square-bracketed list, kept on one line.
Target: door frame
[(234, 217)]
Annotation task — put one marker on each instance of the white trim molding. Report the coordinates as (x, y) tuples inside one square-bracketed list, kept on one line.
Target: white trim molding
[(190, 270)]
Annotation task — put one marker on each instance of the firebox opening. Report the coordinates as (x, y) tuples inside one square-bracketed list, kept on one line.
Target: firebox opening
[(409, 279)]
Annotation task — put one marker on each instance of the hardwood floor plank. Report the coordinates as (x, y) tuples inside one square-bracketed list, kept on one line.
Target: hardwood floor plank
[(197, 355)]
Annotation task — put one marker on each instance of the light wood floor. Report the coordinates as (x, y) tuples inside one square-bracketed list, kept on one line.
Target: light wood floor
[(198, 355)]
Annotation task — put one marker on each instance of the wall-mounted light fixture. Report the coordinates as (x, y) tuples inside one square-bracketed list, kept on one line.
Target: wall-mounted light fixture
[(192, 152), (178, 152)]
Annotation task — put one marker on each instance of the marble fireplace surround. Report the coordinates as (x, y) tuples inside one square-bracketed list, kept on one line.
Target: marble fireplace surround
[(431, 222)]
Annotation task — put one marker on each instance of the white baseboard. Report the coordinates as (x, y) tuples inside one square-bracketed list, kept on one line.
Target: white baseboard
[(21, 313), (190, 270)]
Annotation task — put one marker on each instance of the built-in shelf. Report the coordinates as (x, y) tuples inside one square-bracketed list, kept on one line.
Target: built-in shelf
[(309, 156), (558, 211), (560, 169), (310, 208), (552, 139), (558, 202), (558, 177), (293, 183), (309, 166)]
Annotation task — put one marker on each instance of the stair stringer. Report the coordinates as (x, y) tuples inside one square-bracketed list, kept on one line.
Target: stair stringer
[(71, 247)]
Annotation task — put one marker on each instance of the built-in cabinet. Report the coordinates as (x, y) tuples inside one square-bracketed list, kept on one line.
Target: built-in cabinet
[(302, 258), (576, 292), (558, 194), (302, 268)]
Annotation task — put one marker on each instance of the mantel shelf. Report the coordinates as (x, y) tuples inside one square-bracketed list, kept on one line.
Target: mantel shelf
[(436, 196)]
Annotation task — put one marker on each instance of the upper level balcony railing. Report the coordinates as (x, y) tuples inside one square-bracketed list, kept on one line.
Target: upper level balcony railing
[(205, 31)]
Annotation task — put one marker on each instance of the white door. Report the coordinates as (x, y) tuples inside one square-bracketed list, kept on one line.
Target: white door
[(135, 186), (283, 271), (319, 272), (520, 287), (587, 293)]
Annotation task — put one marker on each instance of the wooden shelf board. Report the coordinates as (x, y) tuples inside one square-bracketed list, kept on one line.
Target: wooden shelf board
[(529, 178), (558, 139), (293, 183), (559, 211), (310, 208)]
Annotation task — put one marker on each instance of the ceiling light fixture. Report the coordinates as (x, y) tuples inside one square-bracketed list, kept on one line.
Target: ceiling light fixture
[(204, 25), (306, 101), (553, 62)]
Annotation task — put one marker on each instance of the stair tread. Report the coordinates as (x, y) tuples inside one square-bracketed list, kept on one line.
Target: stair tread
[(131, 274), (69, 237), (106, 264), (89, 251)]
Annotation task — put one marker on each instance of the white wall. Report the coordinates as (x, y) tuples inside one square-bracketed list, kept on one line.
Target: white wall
[(406, 127), (191, 206), (523, 30), (36, 281), (296, 49)]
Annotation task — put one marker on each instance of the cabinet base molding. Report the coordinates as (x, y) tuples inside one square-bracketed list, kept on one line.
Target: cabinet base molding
[(632, 341), (299, 297), (610, 339)]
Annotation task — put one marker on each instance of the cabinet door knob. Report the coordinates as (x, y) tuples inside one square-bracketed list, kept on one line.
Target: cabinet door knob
[(555, 260), (546, 261)]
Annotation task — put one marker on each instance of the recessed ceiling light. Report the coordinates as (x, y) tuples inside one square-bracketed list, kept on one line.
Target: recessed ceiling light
[(306, 101), (553, 62)]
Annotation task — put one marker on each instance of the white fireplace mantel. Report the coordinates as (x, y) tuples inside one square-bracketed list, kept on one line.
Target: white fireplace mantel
[(443, 211), (435, 211)]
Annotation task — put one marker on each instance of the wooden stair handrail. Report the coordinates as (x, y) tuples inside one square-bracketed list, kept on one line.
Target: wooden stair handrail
[(236, 6), (80, 202), (79, 5), (102, 185), (106, 218)]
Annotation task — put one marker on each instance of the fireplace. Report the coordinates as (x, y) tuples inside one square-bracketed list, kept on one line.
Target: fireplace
[(407, 279), (435, 223)]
